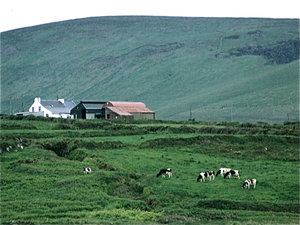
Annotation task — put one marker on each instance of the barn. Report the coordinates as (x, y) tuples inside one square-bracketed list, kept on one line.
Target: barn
[(88, 110), (111, 110), (127, 110)]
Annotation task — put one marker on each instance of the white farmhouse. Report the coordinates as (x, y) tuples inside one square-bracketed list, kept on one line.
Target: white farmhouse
[(52, 108)]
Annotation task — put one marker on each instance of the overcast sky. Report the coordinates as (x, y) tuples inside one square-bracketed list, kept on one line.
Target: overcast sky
[(24, 13)]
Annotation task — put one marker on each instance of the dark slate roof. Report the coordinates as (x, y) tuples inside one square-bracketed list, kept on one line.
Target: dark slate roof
[(92, 105), (56, 106)]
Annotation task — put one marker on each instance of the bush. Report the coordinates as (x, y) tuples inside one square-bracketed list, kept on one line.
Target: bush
[(78, 154), (59, 147), (7, 145), (30, 117), (65, 148), (62, 126), (14, 117), (85, 124), (247, 125)]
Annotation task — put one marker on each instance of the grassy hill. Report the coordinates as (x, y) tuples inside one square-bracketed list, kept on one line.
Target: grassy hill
[(43, 183), (219, 69)]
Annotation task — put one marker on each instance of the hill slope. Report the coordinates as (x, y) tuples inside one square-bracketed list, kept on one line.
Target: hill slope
[(218, 69)]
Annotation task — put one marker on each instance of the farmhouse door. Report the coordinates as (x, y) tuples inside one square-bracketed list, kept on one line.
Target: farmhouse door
[(83, 114)]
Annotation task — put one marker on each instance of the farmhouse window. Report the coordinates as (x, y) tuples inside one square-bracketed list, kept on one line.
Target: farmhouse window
[(39, 108), (32, 109)]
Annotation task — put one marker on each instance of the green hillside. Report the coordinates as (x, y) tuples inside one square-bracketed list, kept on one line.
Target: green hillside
[(217, 69)]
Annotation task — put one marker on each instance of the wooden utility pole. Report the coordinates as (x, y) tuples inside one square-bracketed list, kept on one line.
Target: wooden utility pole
[(10, 106)]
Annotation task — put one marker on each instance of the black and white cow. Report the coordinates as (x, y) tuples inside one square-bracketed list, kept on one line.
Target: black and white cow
[(87, 170), (201, 177), (210, 174), (205, 175), (232, 173), (249, 182), (163, 173), (223, 171)]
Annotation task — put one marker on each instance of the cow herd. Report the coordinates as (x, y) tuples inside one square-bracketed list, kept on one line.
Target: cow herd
[(224, 172)]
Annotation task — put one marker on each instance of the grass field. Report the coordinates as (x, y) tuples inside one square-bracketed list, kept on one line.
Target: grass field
[(218, 69), (44, 183)]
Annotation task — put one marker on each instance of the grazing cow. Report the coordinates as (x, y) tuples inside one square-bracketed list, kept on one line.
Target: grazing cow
[(87, 170), (222, 171), (163, 173), (232, 173), (201, 177), (205, 175), (249, 182), (210, 174)]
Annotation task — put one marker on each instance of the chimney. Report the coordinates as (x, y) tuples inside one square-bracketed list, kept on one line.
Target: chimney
[(61, 100), (37, 99)]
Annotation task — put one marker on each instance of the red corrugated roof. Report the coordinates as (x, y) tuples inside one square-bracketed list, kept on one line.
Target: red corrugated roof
[(125, 108), (119, 111), (126, 104)]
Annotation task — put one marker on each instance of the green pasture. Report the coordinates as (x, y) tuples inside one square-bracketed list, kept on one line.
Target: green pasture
[(44, 183)]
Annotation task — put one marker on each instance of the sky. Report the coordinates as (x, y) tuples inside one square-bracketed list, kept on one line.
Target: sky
[(16, 14)]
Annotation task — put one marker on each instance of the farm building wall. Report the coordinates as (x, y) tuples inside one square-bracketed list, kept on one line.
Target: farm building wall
[(88, 110), (150, 116), (90, 115), (109, 114)]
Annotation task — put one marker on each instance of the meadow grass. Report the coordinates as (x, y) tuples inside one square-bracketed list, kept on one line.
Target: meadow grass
[(40, 187)]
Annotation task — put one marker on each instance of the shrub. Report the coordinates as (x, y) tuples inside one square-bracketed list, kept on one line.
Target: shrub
[(30, 117), (62, 126), (85, 124), (13, 126), (9, 144), (247, 125), (78, 154), (65, 148), (14, 117), (59, 147)]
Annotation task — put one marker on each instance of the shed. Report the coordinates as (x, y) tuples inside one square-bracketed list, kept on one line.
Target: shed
[(88, 110), (127, 110)]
